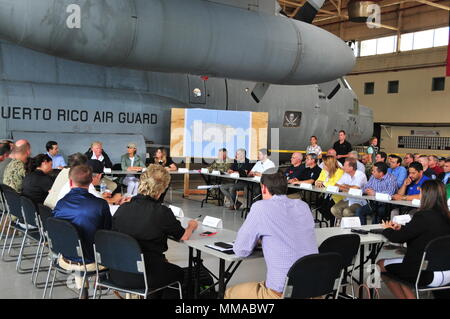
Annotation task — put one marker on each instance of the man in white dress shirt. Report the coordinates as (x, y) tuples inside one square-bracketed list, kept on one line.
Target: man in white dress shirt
[(263, 163), (353, 178)]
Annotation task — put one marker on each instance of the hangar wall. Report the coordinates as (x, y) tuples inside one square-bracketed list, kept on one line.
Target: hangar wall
[(416, 105)]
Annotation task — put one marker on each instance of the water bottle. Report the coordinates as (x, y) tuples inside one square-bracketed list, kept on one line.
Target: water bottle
[(102, 187)]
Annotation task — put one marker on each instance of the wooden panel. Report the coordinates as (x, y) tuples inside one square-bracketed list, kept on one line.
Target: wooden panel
[(177, 133), (260, 123)]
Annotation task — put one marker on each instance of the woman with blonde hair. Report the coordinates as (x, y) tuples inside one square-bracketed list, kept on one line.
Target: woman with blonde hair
[(162, 159), (151, 223), (331, 172), (330, 175)]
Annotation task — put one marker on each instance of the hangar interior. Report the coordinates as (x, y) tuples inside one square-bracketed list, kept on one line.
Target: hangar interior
[(399, 80)]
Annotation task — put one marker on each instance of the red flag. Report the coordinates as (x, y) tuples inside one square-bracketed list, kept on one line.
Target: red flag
[(448, 54), (448, 48)]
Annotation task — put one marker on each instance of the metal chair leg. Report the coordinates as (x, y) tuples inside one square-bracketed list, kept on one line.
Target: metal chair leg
[(53, 284), (83, 282), (180, 290), (5, 243), (22, 246), (48, 278), (95, 289), (39, 263), (36, 257), (11, 242), (1, 223)]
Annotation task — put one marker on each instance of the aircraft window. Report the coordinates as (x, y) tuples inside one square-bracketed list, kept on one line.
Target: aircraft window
[(292, 119), (369, 88)]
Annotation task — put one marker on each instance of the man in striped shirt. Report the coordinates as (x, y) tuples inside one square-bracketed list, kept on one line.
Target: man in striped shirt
[(285, 229), (380, 182)]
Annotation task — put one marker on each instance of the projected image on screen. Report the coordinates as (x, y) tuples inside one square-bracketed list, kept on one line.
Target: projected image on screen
[(207, 131), (201, 133)]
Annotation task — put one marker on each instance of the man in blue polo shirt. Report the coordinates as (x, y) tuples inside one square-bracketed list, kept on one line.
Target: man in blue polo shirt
[(396, 169), (87, 213), (411, 187)]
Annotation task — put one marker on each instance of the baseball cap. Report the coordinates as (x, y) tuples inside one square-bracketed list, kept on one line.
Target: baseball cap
[(132, 145), (97, 166)]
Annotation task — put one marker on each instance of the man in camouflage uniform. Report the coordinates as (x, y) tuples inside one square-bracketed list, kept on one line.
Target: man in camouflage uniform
[(367, 164), (15, 171), (222, 163)]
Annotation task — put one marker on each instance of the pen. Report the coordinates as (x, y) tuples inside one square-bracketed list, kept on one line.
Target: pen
[(199, 216)]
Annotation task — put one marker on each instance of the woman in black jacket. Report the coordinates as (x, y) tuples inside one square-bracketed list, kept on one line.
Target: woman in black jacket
[(430, 222), (38, 182), (149, 222)]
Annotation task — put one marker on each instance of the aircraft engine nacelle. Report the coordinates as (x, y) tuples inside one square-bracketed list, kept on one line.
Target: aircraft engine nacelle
[(178, 36)]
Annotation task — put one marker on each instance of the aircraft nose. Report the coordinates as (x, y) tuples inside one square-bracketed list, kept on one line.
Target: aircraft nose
[(324, 56)]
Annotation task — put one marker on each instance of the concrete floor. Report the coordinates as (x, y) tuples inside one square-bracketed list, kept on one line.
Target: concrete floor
[(19, 286)]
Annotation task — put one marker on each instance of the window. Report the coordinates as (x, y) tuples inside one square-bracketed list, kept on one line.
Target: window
[(423, 39), (392, 87), (406, 41), (387, 44), (438, 84), (440, 37), (368, 47), (369, 88)]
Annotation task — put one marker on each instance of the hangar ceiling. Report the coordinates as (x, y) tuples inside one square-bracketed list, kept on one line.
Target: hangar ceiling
[(397, 16)]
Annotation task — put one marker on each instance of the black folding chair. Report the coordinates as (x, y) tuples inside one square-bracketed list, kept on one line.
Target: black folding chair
[(4, 222), (44, 212), (120, 252), (31, 232), (13, 218), (64, 241), (436, 257), (347, 246), (314, 276), (212, 190)]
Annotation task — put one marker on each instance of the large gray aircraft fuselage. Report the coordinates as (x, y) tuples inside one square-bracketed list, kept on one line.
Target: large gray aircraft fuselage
[(57, 97)]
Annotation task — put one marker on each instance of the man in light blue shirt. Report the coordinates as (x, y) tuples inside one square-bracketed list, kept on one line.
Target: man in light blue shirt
[(52, 151), (285, 229), (396, 169)]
